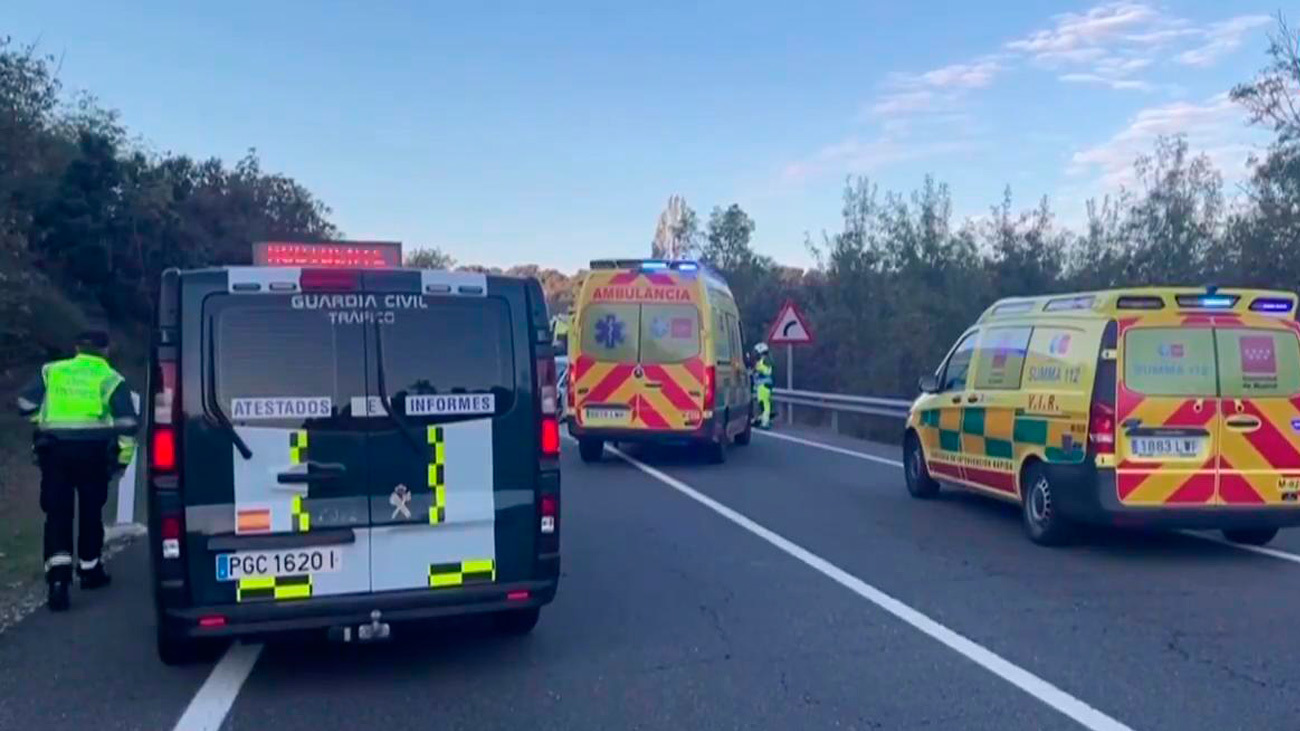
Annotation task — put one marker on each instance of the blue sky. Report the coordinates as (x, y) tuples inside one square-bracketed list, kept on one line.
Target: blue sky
[(522, 133)]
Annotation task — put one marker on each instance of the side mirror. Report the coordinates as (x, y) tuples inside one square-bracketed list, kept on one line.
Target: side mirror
[(929, 384)]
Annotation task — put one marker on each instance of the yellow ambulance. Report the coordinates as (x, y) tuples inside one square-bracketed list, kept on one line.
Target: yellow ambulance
[(655, 355), (1169, 407)]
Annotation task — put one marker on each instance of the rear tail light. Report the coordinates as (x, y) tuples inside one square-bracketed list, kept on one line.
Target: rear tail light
[(331, 280), (517, 596), (1101, 428), (170, 529), (166, 402), (212, 621), (550, 514), (710, 386), (549, 396), (162, 449)]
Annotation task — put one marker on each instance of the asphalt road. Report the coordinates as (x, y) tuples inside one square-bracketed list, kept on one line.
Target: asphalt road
[(795, 587)]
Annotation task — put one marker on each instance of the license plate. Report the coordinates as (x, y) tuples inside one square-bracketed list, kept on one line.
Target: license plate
[(1165, 447), (295, 562), (602, 415)]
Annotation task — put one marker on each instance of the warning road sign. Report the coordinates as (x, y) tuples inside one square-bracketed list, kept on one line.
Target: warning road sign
[(790, 327)]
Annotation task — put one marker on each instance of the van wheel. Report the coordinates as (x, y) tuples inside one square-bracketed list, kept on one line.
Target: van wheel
[(1251, 536), (591, 450), (744, 438), (917, 475), (516, 622), (1043, 520), (177, 651)]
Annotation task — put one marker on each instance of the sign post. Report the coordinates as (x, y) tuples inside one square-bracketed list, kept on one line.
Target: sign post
[(789, 329)]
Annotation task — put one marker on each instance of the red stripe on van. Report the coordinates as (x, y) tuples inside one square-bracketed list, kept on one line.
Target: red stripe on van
[(1000, 481), (1236, 490), (1199, 488), (670, 388), (648, 416), (609, 384)]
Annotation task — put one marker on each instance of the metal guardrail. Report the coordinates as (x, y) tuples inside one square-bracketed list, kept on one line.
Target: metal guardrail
[(838, 402)]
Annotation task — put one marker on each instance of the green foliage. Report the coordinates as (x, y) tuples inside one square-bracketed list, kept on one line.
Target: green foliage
[(430, 258)]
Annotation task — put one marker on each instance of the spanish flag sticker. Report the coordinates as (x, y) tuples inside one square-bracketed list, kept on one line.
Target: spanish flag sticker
[(253, 521)]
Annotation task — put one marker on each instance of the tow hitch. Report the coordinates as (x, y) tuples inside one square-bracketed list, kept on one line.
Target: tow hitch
[(376, 630)]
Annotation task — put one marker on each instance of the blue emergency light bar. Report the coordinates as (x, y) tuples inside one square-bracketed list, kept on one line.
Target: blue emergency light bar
[(1207, 301), (647, 264), (1271, 304)]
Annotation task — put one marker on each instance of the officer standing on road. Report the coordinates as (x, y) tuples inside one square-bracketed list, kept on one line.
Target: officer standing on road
[(763, 380), (84, 419)]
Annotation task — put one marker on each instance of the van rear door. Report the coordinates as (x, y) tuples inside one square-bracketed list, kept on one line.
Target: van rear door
[(275, 474), (1259, 377), (1167, 420), (453, 456)]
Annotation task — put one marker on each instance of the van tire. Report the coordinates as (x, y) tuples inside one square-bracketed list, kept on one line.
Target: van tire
[(745, 437), (920, 484), (1043, 522), (591, 450), (1250, 536), (178, 651), (516, 622)]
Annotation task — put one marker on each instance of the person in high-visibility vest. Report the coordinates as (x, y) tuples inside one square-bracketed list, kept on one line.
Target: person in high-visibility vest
[(763, 382), (85, 422)]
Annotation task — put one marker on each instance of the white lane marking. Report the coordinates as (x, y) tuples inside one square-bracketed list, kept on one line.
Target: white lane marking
[(208, 709), (829, 448), (1261, 550), (1035, 686)]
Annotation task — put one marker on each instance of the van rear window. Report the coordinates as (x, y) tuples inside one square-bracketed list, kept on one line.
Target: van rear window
[(610, 332), (1170, 361), (457, 345), (276, 363), (1258, 362)]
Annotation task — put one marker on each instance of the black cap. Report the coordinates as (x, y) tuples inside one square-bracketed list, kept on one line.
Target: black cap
[(93, 338)]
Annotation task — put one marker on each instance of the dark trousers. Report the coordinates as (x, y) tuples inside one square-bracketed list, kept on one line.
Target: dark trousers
[(74, 481)]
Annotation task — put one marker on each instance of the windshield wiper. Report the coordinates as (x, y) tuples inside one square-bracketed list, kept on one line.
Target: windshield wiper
[(213, 406), (403, 425)]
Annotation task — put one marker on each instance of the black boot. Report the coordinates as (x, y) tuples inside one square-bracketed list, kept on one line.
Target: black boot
[(96, 578), (57, 599)]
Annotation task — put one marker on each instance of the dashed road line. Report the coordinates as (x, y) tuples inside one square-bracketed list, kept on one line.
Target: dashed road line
[(208, 709), (1049, 694)]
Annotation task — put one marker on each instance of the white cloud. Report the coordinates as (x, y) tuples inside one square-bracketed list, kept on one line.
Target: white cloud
[(963, 75), (865, 155), (903, 102), (1083, 37), (1216, 127), (1222, 39), (1112, 82)]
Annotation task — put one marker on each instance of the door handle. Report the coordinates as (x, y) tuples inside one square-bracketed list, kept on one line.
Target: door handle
[(956, 399), (974, 397), (1242, 423), (653, 384)]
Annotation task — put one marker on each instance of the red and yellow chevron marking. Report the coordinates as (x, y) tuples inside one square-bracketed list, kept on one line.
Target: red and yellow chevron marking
[(675, 403), (1254, 463)]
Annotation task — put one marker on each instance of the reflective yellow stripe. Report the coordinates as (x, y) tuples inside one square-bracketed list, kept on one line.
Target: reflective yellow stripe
[(439, 581), (437, 473), (476, 566), (298, 446), (301, 521)]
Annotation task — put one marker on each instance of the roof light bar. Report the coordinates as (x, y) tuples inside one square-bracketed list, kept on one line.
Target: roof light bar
[(1133, 302), (1272, 304), (1207, 301), (331, 254)]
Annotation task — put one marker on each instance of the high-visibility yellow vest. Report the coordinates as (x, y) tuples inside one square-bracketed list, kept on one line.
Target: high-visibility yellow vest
[(764, 371), (77, 393)]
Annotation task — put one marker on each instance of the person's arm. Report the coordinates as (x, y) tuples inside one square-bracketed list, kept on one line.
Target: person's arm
[(32, 395), (125, 419)]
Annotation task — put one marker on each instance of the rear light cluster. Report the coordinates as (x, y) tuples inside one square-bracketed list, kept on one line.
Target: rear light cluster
[(549, 395), (164, 457), (1101, 428), (329, 280), (710, 386)]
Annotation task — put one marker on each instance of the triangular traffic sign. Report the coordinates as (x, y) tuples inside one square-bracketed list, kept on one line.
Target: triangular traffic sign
[(790, 327)]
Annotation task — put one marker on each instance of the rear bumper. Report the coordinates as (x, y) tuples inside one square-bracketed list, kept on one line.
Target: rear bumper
[(700, 434), (321, 613), (1087, 494)]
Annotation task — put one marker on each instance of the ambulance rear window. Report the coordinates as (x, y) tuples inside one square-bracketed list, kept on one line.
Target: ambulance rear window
[(1170, 361), (1256, 362), (669, 333), (609, 332)]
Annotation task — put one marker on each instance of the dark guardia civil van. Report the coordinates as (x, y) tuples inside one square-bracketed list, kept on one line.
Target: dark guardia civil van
[(338, 444)]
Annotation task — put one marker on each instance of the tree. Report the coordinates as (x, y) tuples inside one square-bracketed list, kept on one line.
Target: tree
[(677, 232), (429, 258), (727, 239), (1271, 97)]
